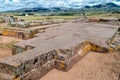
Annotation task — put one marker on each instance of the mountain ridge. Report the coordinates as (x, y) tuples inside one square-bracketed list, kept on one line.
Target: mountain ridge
[(108, 7)]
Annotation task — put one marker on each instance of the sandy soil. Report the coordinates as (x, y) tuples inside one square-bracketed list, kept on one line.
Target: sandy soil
[(5, 53), (3, 24), (4, 40), (94, 66)]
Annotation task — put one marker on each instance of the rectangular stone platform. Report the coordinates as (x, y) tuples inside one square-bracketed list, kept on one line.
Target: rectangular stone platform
[(58, 47)]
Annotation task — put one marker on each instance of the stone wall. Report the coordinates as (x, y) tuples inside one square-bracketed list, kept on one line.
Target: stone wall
[(36, 67)]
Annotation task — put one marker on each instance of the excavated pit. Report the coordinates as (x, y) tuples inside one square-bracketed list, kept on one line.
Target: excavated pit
[(58, 47)]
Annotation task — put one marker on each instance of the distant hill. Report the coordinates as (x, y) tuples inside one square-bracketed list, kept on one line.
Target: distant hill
[(42, 9), (108, 5), (101, 8)]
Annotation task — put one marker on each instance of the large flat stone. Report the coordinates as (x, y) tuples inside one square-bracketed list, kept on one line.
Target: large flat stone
[(57, 44)]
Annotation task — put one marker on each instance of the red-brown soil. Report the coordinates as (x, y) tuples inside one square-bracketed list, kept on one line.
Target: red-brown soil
[(94, 66)]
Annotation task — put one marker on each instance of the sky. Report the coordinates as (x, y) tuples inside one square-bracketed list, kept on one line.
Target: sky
[(6, 5)]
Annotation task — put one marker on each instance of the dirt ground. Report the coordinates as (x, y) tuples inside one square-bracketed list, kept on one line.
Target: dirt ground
[(3, 24), (5, 53), (94, 66), (4, 40)]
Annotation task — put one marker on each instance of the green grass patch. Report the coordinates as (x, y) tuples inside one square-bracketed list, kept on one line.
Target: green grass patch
[(30, 18)]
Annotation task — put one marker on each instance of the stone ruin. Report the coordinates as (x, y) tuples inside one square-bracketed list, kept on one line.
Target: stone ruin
[(58, 47), (9, 19), (46, 22), (19, 24)]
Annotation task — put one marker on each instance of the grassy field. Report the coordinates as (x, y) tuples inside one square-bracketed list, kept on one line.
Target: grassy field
[(30, 18), (105, 15)]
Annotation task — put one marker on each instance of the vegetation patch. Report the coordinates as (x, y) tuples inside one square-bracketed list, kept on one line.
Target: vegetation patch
[(30, 18), (7, 46)]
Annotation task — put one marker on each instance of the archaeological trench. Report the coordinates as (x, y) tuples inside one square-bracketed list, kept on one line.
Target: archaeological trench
[(60, 47)]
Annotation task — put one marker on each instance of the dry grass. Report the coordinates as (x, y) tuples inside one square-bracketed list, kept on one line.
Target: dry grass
[(1, 28), (29, 18), (106, 15), (7, 46)]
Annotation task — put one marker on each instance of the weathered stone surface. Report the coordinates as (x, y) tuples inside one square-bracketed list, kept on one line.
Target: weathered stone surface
[(39, 71), (59, 47), (20, 24), (10, 19)]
